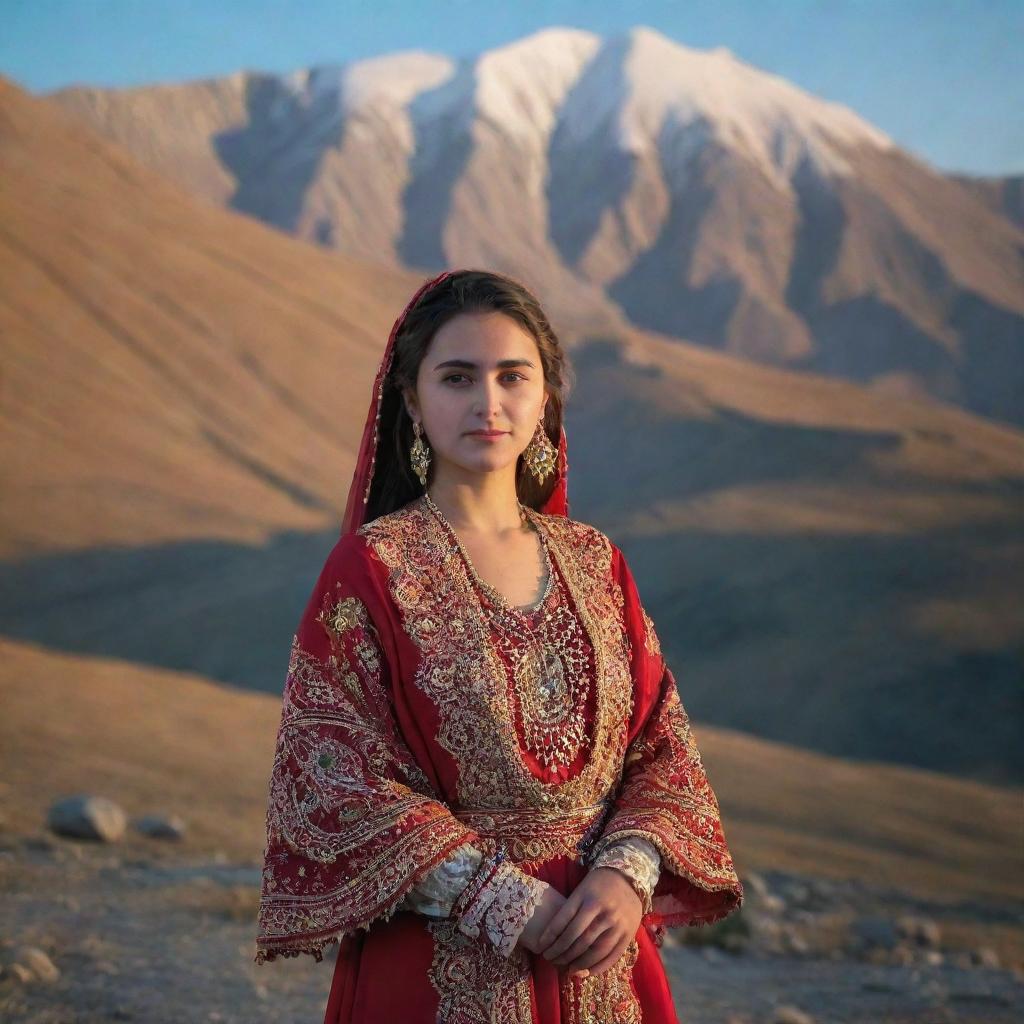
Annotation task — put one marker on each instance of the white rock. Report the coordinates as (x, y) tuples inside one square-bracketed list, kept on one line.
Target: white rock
[(88, 817), (33, 959)]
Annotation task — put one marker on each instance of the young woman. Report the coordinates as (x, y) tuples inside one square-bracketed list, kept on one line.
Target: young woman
[(485, 785)]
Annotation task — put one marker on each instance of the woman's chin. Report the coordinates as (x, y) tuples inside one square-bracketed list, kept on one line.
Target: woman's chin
[(488, 462)]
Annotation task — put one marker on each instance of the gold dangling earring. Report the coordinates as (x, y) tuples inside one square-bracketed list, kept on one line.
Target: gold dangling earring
[(540, 454), (419, 454)]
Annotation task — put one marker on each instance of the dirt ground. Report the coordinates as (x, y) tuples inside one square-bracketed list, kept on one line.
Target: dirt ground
[(140, 931)]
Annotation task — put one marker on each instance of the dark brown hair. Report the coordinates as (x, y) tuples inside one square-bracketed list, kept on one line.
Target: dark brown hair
[(394, 483)]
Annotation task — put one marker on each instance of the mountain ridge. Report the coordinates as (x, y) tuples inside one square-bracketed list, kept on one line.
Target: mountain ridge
[(684, 190), (184, 389)]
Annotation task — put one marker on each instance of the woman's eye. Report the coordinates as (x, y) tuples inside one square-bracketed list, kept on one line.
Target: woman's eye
[(511, 373)]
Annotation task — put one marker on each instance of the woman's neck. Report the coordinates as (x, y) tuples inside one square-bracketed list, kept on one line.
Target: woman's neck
[(487, 506)]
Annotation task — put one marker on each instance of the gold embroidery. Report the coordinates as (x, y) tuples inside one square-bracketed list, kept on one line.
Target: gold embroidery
[(346, 614), (552, 678), (352, 635), (476, 984), (650, 634), (461, 671), (667, 799), (535, 833), (337, 792), (551, 660), (479, 986), (605, 997)]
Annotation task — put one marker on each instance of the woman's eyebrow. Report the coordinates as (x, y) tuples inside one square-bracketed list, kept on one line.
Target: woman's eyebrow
[(465, 364)]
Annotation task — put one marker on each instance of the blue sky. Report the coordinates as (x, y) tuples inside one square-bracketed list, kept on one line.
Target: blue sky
[(936, 75)]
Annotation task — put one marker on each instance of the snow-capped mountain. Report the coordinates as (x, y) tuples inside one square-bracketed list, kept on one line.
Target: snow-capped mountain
[(703, 197), (184, 387)]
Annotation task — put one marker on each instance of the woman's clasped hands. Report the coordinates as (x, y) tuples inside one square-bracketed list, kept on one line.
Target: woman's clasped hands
[(588, 931)]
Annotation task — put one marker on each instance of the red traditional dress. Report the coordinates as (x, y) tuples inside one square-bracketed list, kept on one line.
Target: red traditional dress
[(427, 725)]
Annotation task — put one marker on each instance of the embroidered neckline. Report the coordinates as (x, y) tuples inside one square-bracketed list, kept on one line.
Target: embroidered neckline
[(527, 611), (427, 580)]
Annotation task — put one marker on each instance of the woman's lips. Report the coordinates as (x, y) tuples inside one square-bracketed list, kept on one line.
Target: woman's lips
[(488, 435)]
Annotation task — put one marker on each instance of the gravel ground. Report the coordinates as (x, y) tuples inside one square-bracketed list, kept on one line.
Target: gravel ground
[(161, 939)]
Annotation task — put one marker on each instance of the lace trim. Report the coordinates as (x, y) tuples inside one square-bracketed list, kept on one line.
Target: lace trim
[(638, 860), (517, 896), (437, 892), (499, 901)]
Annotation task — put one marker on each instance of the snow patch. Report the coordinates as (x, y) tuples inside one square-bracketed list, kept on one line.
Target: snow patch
[(648, 90), (772, 121)]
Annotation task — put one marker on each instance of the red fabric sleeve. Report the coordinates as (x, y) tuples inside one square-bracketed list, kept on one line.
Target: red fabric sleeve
[(352, 820), (665, 795)]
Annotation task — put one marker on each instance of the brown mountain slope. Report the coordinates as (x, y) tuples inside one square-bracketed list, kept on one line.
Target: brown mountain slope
[(1003, 195), (828, 566), (161, 351), (170, 369)]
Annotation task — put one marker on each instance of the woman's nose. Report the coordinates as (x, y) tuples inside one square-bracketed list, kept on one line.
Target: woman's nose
[(488, 399)]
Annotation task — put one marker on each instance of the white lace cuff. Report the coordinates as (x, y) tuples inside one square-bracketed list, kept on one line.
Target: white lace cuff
[(502, 906), (636, 858), (434, 894)]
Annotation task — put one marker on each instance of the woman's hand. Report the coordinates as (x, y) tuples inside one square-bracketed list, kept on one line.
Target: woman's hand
[(594, 925), (549, 905)]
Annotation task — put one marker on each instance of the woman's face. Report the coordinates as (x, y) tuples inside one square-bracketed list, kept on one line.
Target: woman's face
[(481, 372)]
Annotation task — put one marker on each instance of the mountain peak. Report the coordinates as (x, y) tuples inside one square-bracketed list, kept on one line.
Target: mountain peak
[(552, 36), (665, 83)]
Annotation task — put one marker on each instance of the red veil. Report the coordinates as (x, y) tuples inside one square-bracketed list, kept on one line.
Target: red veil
[(362, 476)]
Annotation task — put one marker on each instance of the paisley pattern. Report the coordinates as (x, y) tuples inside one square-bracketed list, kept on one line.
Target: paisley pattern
[(343, 789)]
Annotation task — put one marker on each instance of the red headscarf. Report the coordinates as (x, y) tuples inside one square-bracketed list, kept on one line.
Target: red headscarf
[(362, 477)]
